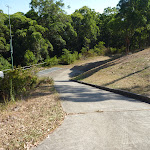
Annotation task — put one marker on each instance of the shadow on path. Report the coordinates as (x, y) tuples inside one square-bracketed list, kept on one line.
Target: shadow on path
[(86, 70), (81, 93)]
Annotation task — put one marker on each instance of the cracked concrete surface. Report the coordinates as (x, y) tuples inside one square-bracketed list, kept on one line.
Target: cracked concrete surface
[(97, 119)]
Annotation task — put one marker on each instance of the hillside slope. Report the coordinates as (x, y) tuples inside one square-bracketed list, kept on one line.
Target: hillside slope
[(130, 72)]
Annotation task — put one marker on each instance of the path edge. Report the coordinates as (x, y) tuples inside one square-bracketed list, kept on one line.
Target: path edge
[(117, 91)]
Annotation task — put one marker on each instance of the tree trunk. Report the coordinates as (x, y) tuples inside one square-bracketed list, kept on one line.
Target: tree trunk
[(127, 44)]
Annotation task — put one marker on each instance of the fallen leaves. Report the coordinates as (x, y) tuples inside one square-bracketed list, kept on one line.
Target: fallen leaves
[(25, 123)]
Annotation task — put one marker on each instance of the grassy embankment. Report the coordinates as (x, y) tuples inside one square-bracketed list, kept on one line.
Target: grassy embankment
[(130, 73)]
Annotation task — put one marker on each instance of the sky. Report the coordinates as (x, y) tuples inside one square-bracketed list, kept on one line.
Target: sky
[(23, 5)]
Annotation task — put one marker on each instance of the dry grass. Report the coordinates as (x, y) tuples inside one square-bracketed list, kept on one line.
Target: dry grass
[(25, 123), (83, 62), (131, 73)]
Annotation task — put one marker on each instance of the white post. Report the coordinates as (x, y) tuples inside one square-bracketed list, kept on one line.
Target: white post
[(1, 74)]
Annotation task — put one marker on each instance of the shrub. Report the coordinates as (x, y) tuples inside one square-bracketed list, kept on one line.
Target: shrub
[(116, 50), (87, 53), (84, 52), (30, 58), (17, 83), (100, 49), (113, 50), (76, 55), (52, 61), (92, 53), (4, 64), (67, 58), (80, 55)]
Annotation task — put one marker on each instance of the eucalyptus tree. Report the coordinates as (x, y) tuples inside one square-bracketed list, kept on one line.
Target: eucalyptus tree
[(133, 16), (52, 17), (28, 35), (108, 27), (84, 23), (4, 33)]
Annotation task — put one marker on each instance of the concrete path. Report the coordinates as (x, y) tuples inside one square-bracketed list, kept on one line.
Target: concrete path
[(47, 71), (98, 120)]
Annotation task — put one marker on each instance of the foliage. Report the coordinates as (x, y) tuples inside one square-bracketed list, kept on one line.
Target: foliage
[(100, 49), (17, 83), (46, 30), (29, 58), (133, 14), (52, 61), (84, 22), (67, 58), (92, 53), (86, 53), (3, 45), (113, 50), (28, 35), (77, 55), (4, 64)]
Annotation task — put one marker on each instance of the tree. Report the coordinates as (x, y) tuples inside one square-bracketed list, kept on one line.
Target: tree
[(28, 35), (4, 33), (132, 14), (106, 26), (4, 64), (52, 17), (84, 23), (32, 14), (29, 58)]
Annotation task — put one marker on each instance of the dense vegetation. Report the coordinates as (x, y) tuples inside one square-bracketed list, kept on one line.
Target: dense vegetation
[(16, 84), (46, 32)]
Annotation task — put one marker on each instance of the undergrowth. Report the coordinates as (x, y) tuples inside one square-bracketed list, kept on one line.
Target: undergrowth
[(16, 84)]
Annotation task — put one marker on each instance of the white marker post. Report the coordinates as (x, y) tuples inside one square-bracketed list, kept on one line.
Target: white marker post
[(1, 74)]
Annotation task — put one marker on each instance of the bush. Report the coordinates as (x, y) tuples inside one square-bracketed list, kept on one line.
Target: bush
[(80, 56), (92, 53), (68, 58), (52, 61), (100, 49), (76, 55), (30, 58), (4, 64), (84, 52), (87, 53), (113, 50), (17, 83)]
